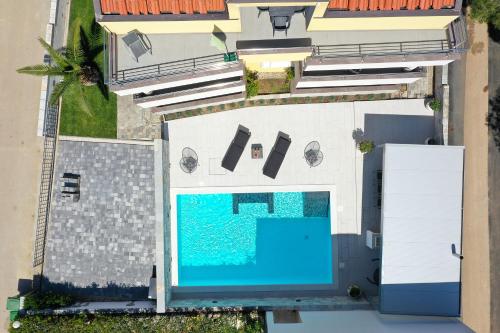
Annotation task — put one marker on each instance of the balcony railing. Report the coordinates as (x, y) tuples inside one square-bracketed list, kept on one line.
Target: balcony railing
[(172, 68), (392, 48)]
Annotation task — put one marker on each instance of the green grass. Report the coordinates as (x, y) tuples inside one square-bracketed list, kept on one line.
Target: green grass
[(74, 121)]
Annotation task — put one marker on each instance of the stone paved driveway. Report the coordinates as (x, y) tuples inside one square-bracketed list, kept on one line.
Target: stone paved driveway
[(102, 245)]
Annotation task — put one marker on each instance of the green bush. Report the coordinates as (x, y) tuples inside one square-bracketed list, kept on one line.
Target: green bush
[(486, 11), (252, 83), (366, 146), (203, 323), (48, 300), (290, 74), (435, 105)]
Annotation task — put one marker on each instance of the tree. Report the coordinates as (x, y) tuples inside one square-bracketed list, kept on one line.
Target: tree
[(493, 119), (76, 65), (486, 11)]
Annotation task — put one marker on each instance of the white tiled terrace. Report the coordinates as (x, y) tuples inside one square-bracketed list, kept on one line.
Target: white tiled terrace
[(344, 169)]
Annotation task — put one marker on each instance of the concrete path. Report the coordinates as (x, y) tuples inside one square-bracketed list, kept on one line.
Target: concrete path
[(21, 22), (476, 265)]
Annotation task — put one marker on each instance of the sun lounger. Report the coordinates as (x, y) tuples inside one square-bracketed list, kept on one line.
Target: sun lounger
[(236, 148), (277, 155)]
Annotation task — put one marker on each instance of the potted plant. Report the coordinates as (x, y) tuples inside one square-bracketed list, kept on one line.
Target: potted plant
[(354, 291), (366, 146), (434, 105)]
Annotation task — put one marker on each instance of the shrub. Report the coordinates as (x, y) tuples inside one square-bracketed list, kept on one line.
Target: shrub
[(241, 104), (435, 105), (252, 83), (290, 74), (241, 322), (366, 146), (48, 300)]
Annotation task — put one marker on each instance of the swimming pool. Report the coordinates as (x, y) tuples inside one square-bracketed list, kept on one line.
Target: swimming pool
[(246, 239)]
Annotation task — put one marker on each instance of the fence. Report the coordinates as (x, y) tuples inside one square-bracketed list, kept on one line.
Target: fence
[(49, 150)]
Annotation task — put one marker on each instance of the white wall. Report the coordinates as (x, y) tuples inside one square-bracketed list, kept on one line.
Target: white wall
[(178, 83), (360, 65), (184, 98), (365, 322), (347, 83)]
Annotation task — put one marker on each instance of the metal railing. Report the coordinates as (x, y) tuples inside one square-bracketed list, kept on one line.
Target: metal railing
[(49, 149), (185, 66), (457, 34), (391, 48)]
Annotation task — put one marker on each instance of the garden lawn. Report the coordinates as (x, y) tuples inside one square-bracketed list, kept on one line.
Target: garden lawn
[(74, 121)]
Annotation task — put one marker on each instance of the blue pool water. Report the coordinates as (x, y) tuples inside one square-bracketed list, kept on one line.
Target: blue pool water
[(254, 239)]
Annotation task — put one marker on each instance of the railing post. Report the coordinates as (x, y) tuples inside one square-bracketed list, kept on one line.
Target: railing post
[(159, 70), (359, 49)]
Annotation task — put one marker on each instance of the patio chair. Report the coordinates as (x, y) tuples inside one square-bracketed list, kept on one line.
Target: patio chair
[(313, 154), (277, 155), (261, 10), (137, 43), (281, 23), (189, 160), (236, 148)]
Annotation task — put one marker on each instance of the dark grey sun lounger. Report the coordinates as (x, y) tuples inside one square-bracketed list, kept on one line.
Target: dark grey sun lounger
[(277, 155), (236, 148)]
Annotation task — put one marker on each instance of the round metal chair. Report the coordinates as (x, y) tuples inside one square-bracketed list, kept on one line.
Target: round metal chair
[(189, 160), (313, 154)]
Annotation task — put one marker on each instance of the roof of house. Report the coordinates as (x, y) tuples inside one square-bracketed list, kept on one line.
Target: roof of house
[(421, 229), (354, 5), (156, 7)]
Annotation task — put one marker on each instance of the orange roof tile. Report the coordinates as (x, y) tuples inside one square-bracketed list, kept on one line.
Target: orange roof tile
[(373, 4), (353, 4), (389, 4), (154, 7)]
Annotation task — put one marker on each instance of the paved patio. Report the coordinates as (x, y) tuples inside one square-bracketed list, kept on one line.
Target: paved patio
[(173, 47), (102, 245), (351, 175)]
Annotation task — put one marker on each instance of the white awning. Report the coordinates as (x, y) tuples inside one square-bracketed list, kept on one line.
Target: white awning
[(421, 225)]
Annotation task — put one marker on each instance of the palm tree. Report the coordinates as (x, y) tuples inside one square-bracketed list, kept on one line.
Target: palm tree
[(76, 65)]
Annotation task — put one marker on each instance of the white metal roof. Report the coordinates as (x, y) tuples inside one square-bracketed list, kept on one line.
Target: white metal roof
[(421, 219)]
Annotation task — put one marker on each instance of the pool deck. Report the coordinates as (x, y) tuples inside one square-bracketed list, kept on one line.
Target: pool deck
[(348, 174)]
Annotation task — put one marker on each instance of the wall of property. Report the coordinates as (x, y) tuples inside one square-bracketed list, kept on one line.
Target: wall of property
[(175, 83), (366, 321), (380, 23), (255, 62), (184, 98), (174, 27), (368, 64), (347, 83)]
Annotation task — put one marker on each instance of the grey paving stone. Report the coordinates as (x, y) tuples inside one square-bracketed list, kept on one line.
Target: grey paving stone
[(103, 245)]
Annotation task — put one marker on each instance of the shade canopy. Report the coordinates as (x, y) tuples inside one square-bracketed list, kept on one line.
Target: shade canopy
[(421, 229)]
